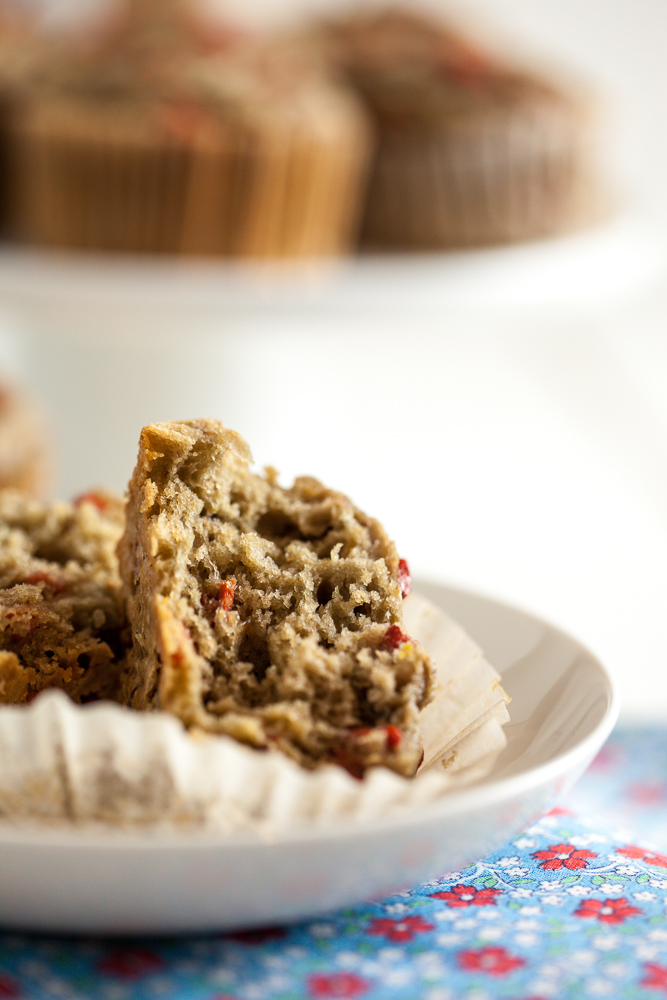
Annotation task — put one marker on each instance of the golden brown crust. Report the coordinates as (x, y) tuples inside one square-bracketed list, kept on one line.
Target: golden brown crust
[(270, 614)]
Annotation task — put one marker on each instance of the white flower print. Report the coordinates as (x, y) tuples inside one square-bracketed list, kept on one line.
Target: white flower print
[(529, 911), (397, 908), (278, 982), (647, 952), (579, 890), (658, 934), (222, 977), (274, 961), (611, 888), (449, 940), (323, 930), (397, 977), (583, 958), (507, 862), (527, 940), (606, 942), (348, 958), (645, 896), (517, 872), (390, 955), (466, 924), (430, 964), (448, 914), (523, 843), (550, 821), (600, 988), (439, 993), (552, 883), (521, 893), (257, 991), (492, 933), (627, 870), (658, 883), (550, 971), (553, 899), (542, 988), (296, 952), (442, 883)]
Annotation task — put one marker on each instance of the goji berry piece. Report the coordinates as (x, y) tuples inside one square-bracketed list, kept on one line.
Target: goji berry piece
[(227, 593), (96, 499), (394, 737), (393, 638), (404, 578)]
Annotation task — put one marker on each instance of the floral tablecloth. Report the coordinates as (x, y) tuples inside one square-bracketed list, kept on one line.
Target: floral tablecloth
[(576, 906)]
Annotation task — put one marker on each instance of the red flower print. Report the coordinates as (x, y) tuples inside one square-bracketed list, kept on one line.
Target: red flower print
[(493, 961), (648, 793), (336, 984), (257, 935), (130, 963), (608, 911), (655, 976), (9, 988), (639, 854), (468, 895), (563, 856), (399, 930)]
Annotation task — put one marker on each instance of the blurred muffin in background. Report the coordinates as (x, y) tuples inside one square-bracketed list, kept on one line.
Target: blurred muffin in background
[(26, 462), (167, 135), (21, 48), (472, 150)]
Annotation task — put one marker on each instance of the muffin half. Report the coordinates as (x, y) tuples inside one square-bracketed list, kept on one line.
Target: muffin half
[(270, 614)]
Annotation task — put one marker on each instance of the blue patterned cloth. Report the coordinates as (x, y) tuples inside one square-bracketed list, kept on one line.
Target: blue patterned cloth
[(574, 907)]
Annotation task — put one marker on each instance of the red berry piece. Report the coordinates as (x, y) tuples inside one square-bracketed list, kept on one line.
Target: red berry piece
[(393, 638), (353, 762), (394, 737), (404, 578), (96, 499), (50, 582), (226, 594)]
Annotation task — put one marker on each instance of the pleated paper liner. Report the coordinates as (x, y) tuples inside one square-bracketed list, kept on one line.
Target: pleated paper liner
[(517, 172), (268, 186), (100, 764)]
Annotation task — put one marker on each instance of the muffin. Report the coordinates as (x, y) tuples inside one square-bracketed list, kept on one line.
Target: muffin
[(471, 150), (21, 49), (25, 449), (163, 136), (269, 614), (61, 613)]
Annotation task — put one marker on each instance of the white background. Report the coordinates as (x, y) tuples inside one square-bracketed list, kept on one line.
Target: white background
[(512, 437)]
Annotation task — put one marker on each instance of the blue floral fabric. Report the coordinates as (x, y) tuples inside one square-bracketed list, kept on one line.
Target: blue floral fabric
[(576, 906)]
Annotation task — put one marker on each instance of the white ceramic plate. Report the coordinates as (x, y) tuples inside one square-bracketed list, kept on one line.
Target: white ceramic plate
[(562, 710)]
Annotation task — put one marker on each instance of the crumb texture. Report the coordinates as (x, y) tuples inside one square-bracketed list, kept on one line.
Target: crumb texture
[(270, 614), (62, 623)]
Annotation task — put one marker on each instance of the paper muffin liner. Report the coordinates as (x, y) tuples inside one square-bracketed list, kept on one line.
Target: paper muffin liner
[(506, 175), (264, 187), (61, 763)]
